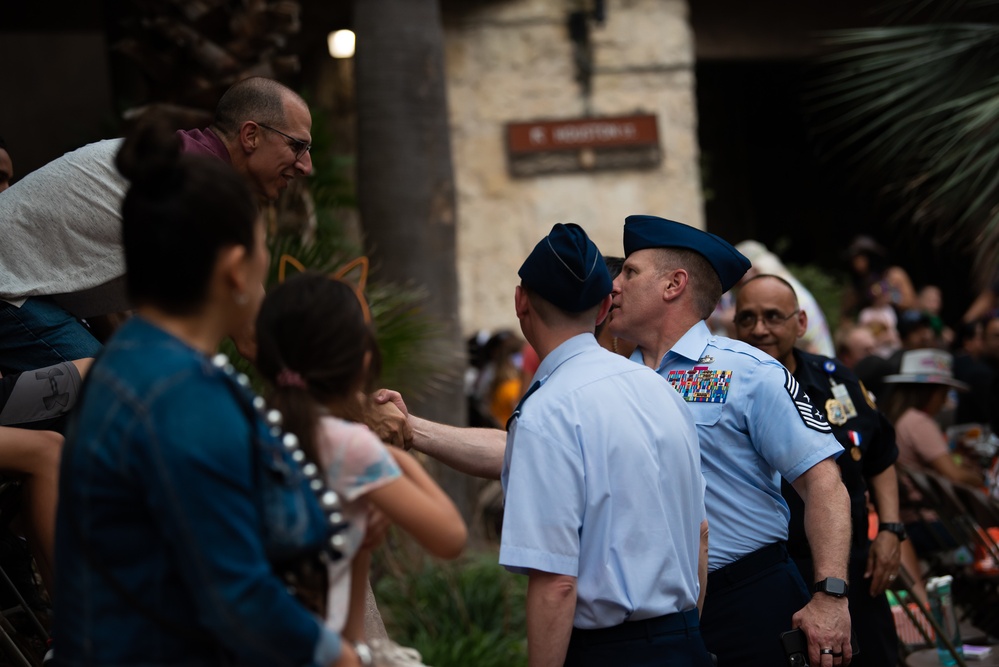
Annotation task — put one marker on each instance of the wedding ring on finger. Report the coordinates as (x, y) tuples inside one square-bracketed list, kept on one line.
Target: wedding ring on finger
[(826, 651)]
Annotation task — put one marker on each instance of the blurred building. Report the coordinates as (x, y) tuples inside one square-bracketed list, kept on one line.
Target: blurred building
[(561, 111), (602, 77)]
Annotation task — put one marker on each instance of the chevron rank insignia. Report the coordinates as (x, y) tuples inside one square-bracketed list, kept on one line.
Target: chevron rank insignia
[(812, 417)]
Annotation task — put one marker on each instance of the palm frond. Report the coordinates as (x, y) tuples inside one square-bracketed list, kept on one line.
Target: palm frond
[(915, 109)]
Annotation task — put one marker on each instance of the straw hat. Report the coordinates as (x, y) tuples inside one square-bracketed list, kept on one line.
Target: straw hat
[(926, 367)]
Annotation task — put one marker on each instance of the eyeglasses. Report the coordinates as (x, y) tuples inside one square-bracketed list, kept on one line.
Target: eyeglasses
[(771, 318), (299, 146)]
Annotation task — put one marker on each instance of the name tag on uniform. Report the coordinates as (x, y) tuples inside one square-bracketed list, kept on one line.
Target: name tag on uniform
[(701, 385), (841, 394)]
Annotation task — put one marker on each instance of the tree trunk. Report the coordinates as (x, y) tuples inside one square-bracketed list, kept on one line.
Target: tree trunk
[(406, 183)]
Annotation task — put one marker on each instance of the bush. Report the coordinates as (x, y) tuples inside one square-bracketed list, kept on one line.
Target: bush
[(466, 612)]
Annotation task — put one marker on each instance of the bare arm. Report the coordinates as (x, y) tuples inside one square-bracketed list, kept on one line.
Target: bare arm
[(826, 619), (886, 552), (551, 606), (473, 451), (353, 629), (83, 365), (945, 466), (900, 280), (702, 566), (421, 508), (983, 303)]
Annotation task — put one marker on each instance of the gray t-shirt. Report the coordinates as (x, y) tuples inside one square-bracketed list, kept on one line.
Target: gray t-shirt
[(61, 233)]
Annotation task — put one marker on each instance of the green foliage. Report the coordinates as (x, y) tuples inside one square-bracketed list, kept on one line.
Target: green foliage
[(826, 287), (467, 612), (915, 109)]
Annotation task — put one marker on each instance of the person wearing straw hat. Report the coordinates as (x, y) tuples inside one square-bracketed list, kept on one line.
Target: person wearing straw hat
[(919, 392), (604, 498)]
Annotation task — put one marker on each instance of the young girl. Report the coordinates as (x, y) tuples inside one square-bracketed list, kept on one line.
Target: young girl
[(320, 355)]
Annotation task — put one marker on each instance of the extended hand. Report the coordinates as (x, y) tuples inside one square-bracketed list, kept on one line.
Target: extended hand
[(388, 420), (826, 623), (393, 397)]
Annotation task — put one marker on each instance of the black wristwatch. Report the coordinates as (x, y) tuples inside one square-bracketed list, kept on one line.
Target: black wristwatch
[(897, 529), (832, 586)]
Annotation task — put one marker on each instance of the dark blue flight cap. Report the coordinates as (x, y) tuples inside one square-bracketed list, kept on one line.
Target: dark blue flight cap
[(566, 269), (648, 231)]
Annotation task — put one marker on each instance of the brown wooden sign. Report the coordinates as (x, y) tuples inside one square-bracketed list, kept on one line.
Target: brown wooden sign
[(583, 144), (554, 135)]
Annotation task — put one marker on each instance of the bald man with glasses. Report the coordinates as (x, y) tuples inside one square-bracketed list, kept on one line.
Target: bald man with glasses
[(62, 260)]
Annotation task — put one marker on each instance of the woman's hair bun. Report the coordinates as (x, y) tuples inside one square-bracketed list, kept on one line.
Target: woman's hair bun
[(150, 156)]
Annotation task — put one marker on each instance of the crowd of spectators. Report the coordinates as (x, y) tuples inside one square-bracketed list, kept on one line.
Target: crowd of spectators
[(196, 524)]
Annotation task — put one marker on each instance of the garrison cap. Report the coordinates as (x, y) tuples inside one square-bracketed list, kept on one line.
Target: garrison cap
[(649, 231), (566, 269)]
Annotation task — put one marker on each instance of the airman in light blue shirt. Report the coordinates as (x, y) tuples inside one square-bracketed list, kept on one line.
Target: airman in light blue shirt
[(601, 479), (747, 407), (604, 499)]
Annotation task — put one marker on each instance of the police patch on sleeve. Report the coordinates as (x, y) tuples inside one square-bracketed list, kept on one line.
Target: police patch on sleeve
[(813, 419)]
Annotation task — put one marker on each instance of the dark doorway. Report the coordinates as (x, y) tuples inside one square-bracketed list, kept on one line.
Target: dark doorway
[(767, 179)]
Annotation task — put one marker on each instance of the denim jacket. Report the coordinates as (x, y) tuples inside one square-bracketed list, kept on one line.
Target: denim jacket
[(159, 541)]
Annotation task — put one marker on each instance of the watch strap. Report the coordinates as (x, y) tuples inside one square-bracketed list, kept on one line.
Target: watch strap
[(898, 529), (832, 586)]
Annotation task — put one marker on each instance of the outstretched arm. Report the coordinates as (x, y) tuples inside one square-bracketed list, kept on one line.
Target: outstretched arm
[(473, 451)]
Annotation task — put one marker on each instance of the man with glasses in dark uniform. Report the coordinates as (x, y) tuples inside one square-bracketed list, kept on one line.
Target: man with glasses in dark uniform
[(61, 259)]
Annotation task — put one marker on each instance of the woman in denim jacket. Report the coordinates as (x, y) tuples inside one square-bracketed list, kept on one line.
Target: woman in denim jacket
[(160, 556)]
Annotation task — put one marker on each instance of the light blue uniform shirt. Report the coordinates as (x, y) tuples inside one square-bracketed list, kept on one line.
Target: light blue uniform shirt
[(602, 482), (754, 424)]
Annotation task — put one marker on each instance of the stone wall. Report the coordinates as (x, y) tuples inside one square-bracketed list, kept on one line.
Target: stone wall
[(513, 62)]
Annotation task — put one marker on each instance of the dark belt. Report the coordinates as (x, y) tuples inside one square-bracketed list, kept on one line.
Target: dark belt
[(649, 627), (747, 566)]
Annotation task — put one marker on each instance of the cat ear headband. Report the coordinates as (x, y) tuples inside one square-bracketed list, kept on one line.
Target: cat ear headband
[(358, 265)]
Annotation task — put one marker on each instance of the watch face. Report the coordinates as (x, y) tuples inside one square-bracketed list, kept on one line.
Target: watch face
[(832, 586)]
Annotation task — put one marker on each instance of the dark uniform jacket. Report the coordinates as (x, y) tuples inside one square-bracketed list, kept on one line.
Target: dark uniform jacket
[(867, 438)]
